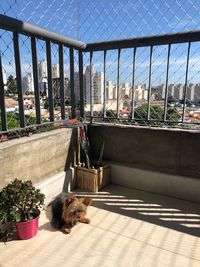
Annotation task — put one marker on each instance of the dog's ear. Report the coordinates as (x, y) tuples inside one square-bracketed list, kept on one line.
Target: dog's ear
[(87, 201), (70, 199)]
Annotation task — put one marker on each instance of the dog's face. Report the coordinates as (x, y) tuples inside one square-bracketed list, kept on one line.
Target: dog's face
[(74, 209)]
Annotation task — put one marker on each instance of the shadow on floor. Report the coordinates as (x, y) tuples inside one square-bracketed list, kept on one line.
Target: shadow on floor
[(180, 215), (47, 226)]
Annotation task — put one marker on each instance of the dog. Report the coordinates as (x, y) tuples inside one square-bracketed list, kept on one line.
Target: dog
[(68, 211)]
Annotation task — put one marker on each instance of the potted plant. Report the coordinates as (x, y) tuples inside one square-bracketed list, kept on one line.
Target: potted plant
[(91, 176), (21, 202)]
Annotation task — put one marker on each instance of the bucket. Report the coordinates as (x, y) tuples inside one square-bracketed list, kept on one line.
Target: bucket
[(27, 230)]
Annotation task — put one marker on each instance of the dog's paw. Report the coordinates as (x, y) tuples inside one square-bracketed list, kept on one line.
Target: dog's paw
[(67, 230), (85, 220)]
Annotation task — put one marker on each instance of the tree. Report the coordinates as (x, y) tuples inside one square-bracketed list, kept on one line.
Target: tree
[(171, 100), (156, 113), (111, 113), (12, 85), (187, 102), (67, 102), (173, 115), (46, 104)]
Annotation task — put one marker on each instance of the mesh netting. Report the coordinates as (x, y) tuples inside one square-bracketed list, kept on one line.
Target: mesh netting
[(91, 21)]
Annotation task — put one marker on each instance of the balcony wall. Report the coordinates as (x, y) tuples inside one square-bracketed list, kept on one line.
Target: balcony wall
[(40, 157), (157, 160)]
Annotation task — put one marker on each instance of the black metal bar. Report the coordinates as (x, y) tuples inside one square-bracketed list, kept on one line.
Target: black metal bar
[(166, 84), (73, 113), (118, 80), (91, 86), (186, 80), (19, 26), (50, 86), (104, 84), (149, 86), (181, 37), (35, 80), (2, 99), (80, 54), (62, 86), (133, 85), (19, 79)]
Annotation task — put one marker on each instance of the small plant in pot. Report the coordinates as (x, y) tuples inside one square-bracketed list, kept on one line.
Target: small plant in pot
[(21, 202)]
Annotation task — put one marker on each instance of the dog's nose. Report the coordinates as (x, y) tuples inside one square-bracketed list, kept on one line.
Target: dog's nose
[(78, 215)]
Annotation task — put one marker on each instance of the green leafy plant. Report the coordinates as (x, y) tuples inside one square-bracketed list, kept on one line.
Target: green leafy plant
[(20, 201)]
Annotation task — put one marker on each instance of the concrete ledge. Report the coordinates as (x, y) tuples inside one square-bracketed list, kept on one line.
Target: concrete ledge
[(52, 187), (38, 157), (176, 186), (173, 152)]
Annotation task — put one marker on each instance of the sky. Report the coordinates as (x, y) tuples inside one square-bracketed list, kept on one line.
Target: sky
[(94, 20)]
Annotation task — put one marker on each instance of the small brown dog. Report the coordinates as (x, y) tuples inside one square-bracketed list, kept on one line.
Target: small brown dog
[(67, 211)]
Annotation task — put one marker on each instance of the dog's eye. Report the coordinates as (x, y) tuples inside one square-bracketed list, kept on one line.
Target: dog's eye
[(76, 211)]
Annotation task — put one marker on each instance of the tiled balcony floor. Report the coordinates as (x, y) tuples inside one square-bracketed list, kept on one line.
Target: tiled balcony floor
[(128, 228)]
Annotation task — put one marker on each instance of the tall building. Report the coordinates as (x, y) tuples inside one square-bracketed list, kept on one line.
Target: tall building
[(27, 83), (42, 69), (109, 90), (171, 90), (197, 93), (98, 84), (56, 87), (55, 71), (87, 83), (179, 92), (43, 86), (42, 77), (144, 94), (161, 91), (77, 88), (125, 90), (190, 92), (140, 93)]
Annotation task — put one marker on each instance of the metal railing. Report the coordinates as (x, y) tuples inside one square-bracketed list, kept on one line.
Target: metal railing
[(36, 33), (178, 119), (85, 84)]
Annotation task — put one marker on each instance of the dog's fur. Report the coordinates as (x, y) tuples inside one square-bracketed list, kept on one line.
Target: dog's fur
[(68, 210)]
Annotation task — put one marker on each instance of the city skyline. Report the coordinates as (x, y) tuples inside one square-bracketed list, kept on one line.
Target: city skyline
[(125, 89), (177, 68)]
